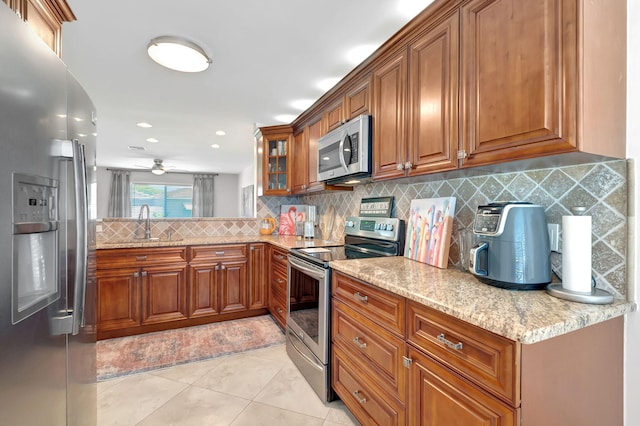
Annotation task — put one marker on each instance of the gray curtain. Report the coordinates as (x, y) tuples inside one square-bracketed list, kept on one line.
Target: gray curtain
[(119, 195), (202, 196)]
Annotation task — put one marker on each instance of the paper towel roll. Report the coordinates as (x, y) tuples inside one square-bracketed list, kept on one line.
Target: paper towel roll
[(576, 253)]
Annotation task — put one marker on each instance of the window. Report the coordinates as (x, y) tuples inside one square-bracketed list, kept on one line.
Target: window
[(163, 200)]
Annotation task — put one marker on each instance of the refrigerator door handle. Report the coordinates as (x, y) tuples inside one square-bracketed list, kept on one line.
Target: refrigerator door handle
[(80, 189)]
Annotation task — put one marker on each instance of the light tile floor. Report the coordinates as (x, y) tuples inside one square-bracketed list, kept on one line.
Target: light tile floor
[(259, 387)]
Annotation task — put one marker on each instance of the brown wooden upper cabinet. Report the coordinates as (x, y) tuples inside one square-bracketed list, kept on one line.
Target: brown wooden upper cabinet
[(389, 126), (45, 18), (476, 82), (425, 139), (519, 75), (276, 144), (353, 101)]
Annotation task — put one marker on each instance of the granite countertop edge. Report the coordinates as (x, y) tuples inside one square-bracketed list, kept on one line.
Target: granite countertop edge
[(286, 242), (524, 316)]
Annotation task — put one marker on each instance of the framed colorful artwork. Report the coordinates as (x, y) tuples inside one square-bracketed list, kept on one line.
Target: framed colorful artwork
[(290, 214), (429, 229)]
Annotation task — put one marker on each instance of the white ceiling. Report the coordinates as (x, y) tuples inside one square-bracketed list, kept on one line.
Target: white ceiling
[(266, 54)]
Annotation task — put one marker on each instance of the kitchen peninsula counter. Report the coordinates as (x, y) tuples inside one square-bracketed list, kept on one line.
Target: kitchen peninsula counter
[(523, 316), (286, 242)]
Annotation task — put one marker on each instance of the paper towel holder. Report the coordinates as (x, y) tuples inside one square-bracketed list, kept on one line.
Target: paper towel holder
[(595, 296)]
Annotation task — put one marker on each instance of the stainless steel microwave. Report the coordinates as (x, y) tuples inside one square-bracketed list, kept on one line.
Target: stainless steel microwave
[(344, 154)]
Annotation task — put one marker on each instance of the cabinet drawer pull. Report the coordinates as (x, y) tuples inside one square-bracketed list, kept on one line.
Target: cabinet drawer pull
[(280, 280), (219, 253), (280, 311), (359, 342), (456, 346), (362, 400), (143, 257), (360, 297), (279, 256)]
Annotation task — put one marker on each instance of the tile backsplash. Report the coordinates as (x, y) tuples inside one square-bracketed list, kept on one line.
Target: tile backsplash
[(600, 187)]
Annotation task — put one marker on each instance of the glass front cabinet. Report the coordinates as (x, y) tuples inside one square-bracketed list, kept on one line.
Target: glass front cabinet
[(276, 147)]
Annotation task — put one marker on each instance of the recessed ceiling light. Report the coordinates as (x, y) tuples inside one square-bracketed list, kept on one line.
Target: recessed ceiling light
[(360, 53), (410, 8), (144, 125), (178, 54), (152, 140), (220, 132), (215, 145), (327, 83), (302, 104), (285, 118)]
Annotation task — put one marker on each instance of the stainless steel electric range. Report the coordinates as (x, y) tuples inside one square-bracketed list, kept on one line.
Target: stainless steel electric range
[(309, 292)]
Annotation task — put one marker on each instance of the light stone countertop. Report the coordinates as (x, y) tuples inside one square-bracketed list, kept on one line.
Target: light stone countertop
[(524, 316), (283, 241)]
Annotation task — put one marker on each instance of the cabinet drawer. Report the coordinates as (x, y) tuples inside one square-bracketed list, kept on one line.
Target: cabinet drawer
[(382, 307), (279, 257), (279, 278), (278, 307), (489, 360), (376, 351), (368, 404), (135, 257), (217, 252)]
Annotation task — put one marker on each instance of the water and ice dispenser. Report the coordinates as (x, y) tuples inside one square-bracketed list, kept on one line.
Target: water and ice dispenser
[(35, 280)]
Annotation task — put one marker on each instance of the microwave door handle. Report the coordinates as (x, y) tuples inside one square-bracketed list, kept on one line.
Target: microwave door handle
[(344, 137)]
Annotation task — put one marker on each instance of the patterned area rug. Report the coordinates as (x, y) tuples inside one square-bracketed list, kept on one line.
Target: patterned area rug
[(134, 354)]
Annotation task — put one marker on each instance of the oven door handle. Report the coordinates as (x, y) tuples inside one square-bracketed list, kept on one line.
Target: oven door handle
[(318, 273), (310, 360)]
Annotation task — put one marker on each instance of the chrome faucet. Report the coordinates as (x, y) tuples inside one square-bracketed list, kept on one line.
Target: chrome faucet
[(147, 225)]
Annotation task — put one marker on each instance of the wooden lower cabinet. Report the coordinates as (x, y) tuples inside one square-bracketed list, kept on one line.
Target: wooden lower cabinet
[(118, 298), (164, 293), (278, 264), (152, 289), (258, 293), (368, 403), (438, 397)]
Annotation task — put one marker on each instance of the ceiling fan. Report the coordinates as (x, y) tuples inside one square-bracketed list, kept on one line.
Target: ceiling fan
[(158, 167)]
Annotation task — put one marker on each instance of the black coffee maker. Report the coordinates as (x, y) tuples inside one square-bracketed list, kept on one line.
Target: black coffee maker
[(511, 246)]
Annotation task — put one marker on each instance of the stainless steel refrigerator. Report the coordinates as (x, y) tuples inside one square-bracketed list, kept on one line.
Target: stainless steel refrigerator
[(47, 236)]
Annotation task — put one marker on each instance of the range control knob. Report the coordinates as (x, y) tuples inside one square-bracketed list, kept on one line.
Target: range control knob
[(389, 226), (349, 224)]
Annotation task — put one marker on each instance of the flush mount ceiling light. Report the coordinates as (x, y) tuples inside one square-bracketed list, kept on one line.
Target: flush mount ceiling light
[(178, 54), (157, 168)]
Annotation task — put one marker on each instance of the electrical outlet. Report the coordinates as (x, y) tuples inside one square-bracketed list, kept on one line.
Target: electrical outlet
[(554, 236)]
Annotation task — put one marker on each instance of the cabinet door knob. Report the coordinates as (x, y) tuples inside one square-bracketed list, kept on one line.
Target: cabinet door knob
[(363, 299), (144, 273), (223, 267), (456, 346), (400, 166), (362, 400), (361, 344), (136, 275), (408, 165)]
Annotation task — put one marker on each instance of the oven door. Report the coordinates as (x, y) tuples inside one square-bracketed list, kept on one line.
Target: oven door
[(308, 305)]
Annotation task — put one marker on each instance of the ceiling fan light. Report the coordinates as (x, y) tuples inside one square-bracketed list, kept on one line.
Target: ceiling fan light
[(178, 54), (157, 168)]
